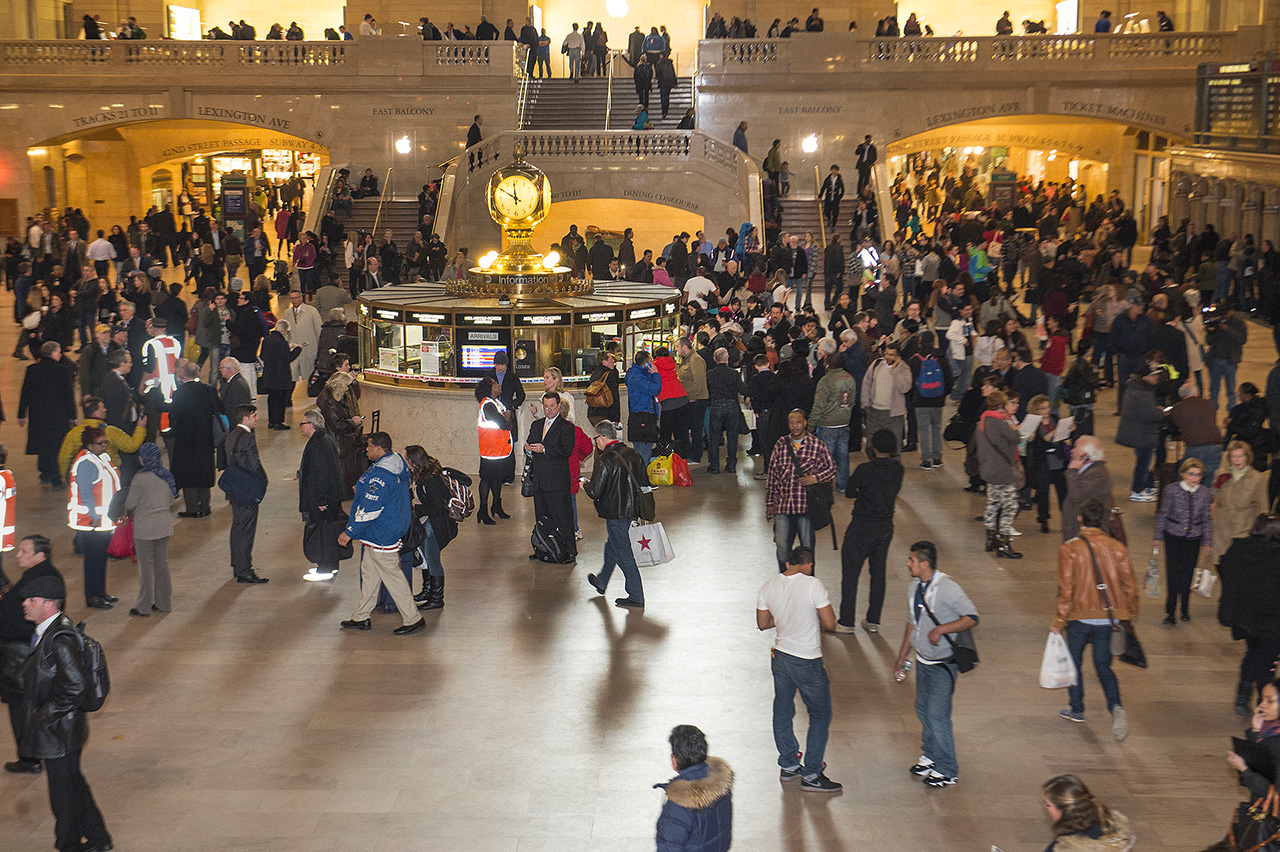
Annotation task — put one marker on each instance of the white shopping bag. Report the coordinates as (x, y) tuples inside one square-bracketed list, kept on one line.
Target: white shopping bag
[(1206, 580), (649, 544), (1152, 579), (1057, 671)]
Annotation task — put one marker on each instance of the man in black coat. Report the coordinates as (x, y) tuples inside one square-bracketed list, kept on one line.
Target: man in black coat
[(49, 401), (600, 255), (1027, 379), (320, 487), (55, 685), (473, 132), (33, 556), (831, 192), (116, 393), (551, 442), (873, 487), (512, 395), (242, 451), (866, 159), (191, 449), (246, 333), (529, 38)]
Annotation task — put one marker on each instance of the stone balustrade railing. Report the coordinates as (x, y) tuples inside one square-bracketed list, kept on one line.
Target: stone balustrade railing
[(399, 57), (814, 53), (540, 146)]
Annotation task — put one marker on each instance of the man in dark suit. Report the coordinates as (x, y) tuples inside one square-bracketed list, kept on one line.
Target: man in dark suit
[(473, 132), (48, 399), (551, 442), (373, 277), (866, 159), (512, 391), (831, 193), (33, 556), (74, 257), (117, 395), (55, 686), (138, 262), (191, 449), (242, 451)]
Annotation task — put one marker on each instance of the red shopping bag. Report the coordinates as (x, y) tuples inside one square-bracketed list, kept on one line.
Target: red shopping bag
[(680, 471), (122, 541)]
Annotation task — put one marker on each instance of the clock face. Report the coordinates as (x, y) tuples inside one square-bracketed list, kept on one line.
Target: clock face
[(517, 197)]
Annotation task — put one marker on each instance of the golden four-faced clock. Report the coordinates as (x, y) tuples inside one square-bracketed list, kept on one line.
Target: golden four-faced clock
[(519, 195)]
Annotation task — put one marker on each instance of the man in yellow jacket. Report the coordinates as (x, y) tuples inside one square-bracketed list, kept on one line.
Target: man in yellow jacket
[(118, 440)]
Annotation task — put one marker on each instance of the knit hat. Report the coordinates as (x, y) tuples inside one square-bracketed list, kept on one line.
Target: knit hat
[(884, 443), (49, 586), (237, 284)]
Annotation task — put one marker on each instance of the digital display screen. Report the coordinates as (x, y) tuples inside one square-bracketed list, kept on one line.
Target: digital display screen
[(480, 357)]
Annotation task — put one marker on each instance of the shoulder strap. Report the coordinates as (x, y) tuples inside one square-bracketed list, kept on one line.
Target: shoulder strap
[(1097, 576), (795, 459), (946, 636)]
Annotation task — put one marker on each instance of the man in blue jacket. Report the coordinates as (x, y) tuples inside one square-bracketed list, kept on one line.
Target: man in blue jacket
[(380, 515), (698, 813), (643, 386)]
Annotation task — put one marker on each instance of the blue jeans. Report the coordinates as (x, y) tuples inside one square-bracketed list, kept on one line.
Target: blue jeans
[(430, 550), (788, 528), (837, 440), (810, 677), (797, 290), (1211, 455), (929, 423), (1222, 290), (1142, 476), (645, 449), (1054, 383), (617, 551), (1080, 634), (1221, 369), (934, 685), (724, 415)]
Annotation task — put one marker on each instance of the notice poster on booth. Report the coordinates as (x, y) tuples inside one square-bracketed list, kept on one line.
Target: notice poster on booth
[(389, 359), (430, 358)]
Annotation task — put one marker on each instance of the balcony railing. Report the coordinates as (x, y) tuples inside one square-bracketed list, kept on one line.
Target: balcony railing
[(813, 53), (398, 57)]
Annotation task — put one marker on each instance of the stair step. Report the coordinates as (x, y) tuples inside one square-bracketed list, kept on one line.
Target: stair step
[(562, 104)]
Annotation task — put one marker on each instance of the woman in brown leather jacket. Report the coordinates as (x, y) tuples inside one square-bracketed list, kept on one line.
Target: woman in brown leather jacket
[(339, 402)]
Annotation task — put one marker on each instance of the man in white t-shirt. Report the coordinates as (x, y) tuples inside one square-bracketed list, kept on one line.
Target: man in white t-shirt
[(697, 288), (796, 603)]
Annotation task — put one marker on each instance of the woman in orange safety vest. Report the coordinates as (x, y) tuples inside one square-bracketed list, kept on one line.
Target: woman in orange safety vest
[(497, 452), (94, 485)]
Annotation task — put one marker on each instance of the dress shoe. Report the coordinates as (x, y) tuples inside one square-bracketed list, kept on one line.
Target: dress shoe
[(188, 514), (283, 427), (595, 584), (97, 603), (251, 576), (629, 603), (27, 767), (99, 847), (206, 513), (357, 625), (111, 599), (1168, 621), (139, 613), (406, 629)]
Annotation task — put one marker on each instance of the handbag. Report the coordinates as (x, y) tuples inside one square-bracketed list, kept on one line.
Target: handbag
[(1124, 639), (1205, 582), (413, 537), (1057, 669), (320, 539), (964, 651), (1255, 827), (122, 541), (221, 426), (240, 485), (642, 426), (649, 544), (526, 476), (820, 496)]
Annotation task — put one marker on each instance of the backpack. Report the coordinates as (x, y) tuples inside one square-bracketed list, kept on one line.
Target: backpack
[(598, 393), (929, 383), (462, 504), (97, 679)]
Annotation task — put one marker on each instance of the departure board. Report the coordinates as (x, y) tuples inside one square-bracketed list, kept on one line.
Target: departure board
[(1231, 105)]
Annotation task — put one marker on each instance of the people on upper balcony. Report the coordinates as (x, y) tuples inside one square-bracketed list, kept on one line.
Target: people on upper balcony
[(1163, 23), (1004, 26), (1103, 24)]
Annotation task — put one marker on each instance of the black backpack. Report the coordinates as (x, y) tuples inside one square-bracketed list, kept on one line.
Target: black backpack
[(97, 678), (547, 546)]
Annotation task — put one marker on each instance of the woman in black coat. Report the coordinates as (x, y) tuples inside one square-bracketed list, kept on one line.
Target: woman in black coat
[(277, 377), (58, 325), (1250, 604), (792, 388), (49, 402), (431, 495)]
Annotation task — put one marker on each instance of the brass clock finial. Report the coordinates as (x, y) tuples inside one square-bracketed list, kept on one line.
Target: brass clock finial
[(519, 151)]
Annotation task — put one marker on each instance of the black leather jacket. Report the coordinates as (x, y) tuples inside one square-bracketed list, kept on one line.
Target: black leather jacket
[(54, 684), (614, 492), (15, 630)]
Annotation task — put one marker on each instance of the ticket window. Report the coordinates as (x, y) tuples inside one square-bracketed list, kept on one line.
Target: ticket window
[(647, 334), (388, 349), (428, 350)]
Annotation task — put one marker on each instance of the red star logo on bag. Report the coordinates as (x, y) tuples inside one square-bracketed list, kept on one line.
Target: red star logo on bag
[(644, 543)]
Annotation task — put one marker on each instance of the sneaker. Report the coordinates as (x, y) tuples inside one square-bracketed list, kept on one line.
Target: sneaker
[(1119, 723), (937, 462), (843, 628), (760, 474), (937, 779), (923, 767), (789, 773), (1078, 718), (314, 576), (870, 627), (926, 465), (1014, 532), (819, 783), (1151, 493)]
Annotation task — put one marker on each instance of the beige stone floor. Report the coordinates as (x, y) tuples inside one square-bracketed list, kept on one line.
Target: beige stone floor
[(532, 715)]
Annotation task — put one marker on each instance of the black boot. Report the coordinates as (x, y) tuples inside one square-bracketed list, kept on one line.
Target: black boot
[(497, 509), (424, 595), (1244, 694), (1004, 550), (435, 598), (992, 538), (482, 517)]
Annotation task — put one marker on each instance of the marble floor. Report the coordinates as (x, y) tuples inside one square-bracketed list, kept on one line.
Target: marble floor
[(532, 715)]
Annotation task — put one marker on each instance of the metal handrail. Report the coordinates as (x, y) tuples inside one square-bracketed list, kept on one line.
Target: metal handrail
[(386, 190), (608, 98), (521, 99), (817, 197)]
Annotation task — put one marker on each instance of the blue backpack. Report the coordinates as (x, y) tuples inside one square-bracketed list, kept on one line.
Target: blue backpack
[(929, 383)]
